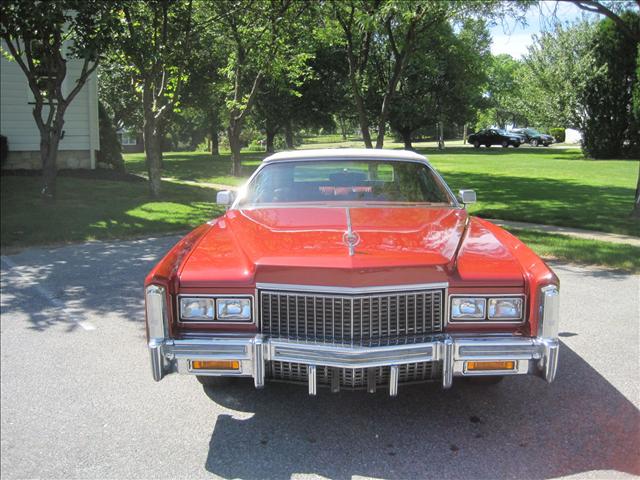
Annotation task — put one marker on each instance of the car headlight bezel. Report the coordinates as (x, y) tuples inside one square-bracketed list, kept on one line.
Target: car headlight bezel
[(488, 317), (215, 317)]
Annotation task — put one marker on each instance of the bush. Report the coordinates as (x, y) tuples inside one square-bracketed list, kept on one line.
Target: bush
[(558, 134), (110, 150), (4, 149)]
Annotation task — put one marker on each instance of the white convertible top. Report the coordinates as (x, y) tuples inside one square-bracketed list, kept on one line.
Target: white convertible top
[(345, 153)]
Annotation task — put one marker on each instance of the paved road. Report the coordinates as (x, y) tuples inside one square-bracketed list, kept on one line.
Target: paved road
[(78, 400)]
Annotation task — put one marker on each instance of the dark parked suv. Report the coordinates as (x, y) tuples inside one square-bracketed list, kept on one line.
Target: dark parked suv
[(534, 137), (495, 136)]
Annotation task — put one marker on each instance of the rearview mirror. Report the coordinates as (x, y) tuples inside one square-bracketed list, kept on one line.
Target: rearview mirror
[(467, 196), (225, 197)]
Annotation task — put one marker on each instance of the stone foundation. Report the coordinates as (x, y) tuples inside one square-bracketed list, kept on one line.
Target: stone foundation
[(30, 160)]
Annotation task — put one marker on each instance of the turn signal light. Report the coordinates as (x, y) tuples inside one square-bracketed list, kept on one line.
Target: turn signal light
[(215, 364), (476, 366)]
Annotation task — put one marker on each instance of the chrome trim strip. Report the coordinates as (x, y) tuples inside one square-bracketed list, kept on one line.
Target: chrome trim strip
[(393, 381), (313, 380), (447, 362), (320, 289), (340, 356), (533, 356), (549, 312)]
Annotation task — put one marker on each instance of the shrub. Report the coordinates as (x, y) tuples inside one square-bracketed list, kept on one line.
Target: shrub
[(4, 149), (558, 134), (110, 150)]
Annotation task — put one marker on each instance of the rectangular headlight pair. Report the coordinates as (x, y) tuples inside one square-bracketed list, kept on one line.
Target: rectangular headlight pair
[(472, 309), (221, 309)]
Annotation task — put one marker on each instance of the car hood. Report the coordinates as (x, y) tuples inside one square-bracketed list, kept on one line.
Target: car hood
[(401, 245)]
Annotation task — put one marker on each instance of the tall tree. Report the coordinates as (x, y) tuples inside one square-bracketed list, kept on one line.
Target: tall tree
[(443, 81), (556, 69), (371, 29), (42, 39), (255, 35), (154, 49)]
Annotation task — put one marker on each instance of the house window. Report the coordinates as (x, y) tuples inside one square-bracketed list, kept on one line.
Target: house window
[(127, 138)]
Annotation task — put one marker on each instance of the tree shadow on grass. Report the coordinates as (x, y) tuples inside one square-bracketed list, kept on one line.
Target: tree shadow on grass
[(549, 201), (522, 428), (201, 167)]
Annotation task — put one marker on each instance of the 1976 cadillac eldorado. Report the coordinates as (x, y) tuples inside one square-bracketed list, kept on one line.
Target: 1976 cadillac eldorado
[(351, 268)]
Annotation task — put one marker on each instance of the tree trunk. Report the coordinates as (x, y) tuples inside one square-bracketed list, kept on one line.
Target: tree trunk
[(635, 213), (288, 135), (343, 127), (215, 142), (364, 122), (48, 155), (406, 138), (49, 141), (440, 136), (464, 134), (234, 130), (153, 156), (271, 135)]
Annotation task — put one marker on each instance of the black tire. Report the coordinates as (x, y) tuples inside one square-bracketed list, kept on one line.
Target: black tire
[(488, 145), (546, 144), (494, 380), (516, 145), (535, 142), (213, 382), (505, 144), (476, 144)]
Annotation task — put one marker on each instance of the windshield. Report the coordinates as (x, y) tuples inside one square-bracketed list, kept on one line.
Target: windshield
[(531, 131), (345, 181)]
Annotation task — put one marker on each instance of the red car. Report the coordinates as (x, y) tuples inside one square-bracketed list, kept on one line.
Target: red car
[(351, 268)]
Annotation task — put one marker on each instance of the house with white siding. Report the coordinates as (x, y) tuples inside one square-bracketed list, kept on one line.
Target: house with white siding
[(81, 137)]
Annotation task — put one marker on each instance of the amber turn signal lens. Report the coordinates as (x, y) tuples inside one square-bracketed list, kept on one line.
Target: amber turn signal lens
[(215, 364), (476, 366)]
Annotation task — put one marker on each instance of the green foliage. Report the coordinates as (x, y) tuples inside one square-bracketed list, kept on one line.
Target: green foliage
[(110, 150), (558, 134), (610, 128), (443, 79), (557, 68)]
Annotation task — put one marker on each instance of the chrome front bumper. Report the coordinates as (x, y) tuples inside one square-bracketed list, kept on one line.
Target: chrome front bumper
[(532, 355)]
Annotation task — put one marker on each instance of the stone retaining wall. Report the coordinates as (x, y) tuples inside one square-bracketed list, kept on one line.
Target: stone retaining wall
[(30, 160)]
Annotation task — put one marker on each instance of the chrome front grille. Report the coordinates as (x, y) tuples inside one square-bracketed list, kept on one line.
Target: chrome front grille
[(354, 378), (351, 318)]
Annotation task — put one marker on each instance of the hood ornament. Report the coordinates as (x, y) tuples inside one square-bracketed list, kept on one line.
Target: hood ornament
[(350, 238)]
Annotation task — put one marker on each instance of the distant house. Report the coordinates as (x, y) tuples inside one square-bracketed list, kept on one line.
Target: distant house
[(130, 140), (81, 134)]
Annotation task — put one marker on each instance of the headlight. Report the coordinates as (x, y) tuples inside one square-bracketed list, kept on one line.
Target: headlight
[(197, 308), (487, 308), (209, 309), (468, 308), (238, 309), (507, 308)]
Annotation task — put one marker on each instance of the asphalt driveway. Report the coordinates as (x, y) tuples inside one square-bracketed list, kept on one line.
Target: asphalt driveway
[(77, 398)]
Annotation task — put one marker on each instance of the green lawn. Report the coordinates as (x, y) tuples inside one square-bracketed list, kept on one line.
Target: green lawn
[(576, 250), (97, 209), (554, 186)]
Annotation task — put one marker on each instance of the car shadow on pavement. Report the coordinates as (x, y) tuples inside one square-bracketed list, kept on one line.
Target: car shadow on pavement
[(521, 428)]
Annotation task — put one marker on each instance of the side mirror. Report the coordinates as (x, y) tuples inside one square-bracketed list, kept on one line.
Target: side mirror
[(467, 196), (225, 197)]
